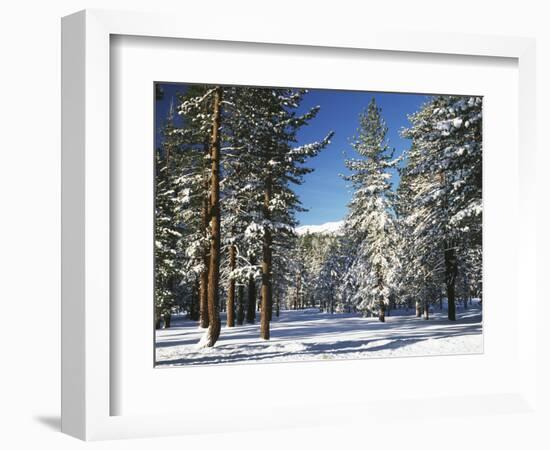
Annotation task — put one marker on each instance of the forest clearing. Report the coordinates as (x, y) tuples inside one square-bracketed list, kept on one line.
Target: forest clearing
[(308, 335), (257, 260)]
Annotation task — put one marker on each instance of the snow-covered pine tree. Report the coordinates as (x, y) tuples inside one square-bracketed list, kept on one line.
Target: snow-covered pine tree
[(420, 276), (469, 282), (330, 275), (178, 193), (202, 111), (445, 171), (371, 219), (214, 325), (167, 226), (166, 248), (348, 285), (283, 243), (196, 116), (241, 204), (271, 165), (319, 263), (278, 165), (283, 273)]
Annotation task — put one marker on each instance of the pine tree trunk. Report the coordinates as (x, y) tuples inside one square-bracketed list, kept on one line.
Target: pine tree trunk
[(193, 308), (266, 266), (215, 231), (167, 318), (298, 289), (426, 310), (382, 312), (231, 289), (203, 298), (450, 277), (240, 304), (251, 307), (418, 308), (379, 284), (278, 307), (203, 281), (158, 323)]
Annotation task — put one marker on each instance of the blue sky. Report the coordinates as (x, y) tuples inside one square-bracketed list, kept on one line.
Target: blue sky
[(324, 193)]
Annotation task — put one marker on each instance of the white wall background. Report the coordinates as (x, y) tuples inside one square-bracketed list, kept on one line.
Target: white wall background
[(29, 225)]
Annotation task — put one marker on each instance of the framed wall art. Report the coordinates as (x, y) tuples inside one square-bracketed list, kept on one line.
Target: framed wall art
[(254, 221)]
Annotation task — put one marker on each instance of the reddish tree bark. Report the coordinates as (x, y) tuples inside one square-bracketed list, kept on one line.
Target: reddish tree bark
[(215, 230), (382, 312), (451, 270), (203, 282), (251, 307), (266, 266), (231, 289)]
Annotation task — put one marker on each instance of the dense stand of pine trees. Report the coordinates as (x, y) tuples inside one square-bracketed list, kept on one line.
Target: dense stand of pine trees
[(415, 244), (225, 207), (225, 212)]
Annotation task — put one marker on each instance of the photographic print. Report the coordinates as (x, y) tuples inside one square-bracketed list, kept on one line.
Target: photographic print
[(300, 224)]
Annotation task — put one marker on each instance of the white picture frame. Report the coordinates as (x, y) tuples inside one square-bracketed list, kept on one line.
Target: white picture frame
[(87, 385)]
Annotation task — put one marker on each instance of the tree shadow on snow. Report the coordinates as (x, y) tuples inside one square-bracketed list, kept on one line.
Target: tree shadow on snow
[(275, 349)]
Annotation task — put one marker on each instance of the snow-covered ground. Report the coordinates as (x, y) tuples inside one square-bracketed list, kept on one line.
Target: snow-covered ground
[(306, 335)]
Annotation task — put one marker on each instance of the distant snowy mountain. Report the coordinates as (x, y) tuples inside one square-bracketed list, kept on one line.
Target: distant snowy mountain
[(325, 228)]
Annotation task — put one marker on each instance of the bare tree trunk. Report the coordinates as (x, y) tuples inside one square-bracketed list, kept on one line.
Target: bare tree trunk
[(251, 307), (450, 277), (203, 298), (277, 311), (266, 266), (298, 289), (203, 281), (215, 231), (231, 289), (157, 321), (418, 308), (426, 310), (167, 318), (379, 284), (382, 312), (240, 304), (194, 308)]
